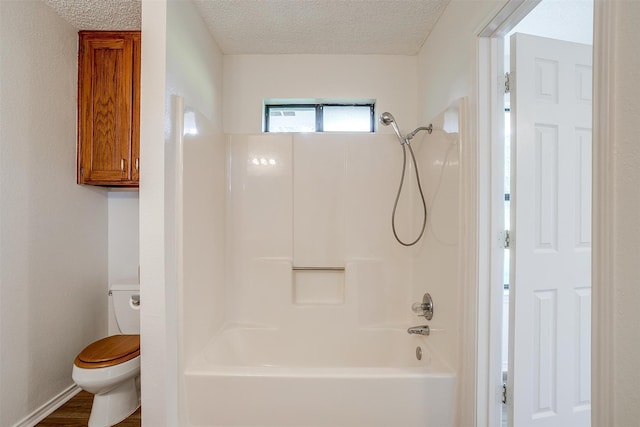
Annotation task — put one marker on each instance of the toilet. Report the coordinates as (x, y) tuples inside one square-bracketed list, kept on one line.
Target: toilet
[(110, 368)]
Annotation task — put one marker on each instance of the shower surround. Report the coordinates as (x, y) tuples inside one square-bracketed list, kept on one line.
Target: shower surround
[(314, 200), (318, 292)]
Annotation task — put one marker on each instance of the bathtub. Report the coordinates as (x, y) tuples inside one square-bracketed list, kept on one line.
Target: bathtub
[(254, 377)]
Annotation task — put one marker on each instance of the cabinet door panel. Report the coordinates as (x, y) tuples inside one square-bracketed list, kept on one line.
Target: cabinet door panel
[(106, 101)]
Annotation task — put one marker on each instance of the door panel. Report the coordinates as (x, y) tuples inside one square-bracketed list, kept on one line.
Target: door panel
[(549, 366)]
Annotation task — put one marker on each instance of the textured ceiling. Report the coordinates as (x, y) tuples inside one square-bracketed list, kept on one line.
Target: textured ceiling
[(321, 26), (284, 26), (99, 14)]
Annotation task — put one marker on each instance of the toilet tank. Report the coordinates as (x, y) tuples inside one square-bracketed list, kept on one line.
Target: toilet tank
[(126, 306)]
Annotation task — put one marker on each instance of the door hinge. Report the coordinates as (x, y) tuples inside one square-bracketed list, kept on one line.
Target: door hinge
[(504, 239), (504, 393), (507, 82)]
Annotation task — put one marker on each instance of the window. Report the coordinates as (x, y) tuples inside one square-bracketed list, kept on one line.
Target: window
[(319, 117)]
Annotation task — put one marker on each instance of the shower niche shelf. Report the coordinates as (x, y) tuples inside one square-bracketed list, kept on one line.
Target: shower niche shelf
[(318, 285)]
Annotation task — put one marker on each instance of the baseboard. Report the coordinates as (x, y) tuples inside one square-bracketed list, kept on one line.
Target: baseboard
[(45, 410)]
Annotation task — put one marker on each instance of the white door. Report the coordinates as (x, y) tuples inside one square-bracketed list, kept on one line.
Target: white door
[(550, 318)]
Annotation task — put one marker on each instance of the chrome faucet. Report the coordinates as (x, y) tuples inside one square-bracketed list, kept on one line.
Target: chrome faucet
[(424, 309), (419, 330)]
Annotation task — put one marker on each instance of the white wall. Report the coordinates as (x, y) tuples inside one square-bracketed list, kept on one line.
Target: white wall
[(249, 79), (179, 57), (53, 233), (447, 60), (124, 230), (157, 402), (123, 242)]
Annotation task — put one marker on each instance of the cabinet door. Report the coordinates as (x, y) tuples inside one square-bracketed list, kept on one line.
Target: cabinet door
[(135, 119), (105, 118)]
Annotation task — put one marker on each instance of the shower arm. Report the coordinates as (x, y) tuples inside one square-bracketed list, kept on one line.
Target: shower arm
[(410, 136), (387, 119)]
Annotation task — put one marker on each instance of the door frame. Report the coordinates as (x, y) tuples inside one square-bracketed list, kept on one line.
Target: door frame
[(479, 183)]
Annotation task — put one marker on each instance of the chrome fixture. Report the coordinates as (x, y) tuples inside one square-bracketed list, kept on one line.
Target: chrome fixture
[(135, 301), (424, 308), (419, 353), (410, 135), (419, 330), (387, 119)]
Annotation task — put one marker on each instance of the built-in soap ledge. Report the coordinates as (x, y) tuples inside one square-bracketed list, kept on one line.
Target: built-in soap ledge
[(318, 285)]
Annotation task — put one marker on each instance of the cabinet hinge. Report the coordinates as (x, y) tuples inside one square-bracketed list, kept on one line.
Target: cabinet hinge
[(507, 82), (504, 393)]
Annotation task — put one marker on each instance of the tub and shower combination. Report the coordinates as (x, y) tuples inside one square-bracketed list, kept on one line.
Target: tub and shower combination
[(318, 291)]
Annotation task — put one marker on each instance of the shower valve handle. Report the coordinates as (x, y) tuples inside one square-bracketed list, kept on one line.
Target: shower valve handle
[(424, 308)]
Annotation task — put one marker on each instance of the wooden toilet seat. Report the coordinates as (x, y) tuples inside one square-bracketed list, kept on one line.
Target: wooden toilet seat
[(109, 351)]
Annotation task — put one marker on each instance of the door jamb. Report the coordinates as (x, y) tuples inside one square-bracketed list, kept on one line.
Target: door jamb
[(602, 330), (603, 217), (490, 136)]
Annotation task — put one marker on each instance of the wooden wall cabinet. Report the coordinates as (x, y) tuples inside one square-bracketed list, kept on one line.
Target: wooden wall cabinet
[(109, 108)]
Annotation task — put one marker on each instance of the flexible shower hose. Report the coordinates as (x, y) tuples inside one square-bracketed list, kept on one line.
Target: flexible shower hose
[(395, 205)]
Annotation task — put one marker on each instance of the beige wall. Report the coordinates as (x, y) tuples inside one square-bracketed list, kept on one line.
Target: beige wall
[(53, 233), (626, 227)]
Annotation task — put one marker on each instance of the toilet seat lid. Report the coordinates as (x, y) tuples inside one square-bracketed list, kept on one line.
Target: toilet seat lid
[(109, 351)]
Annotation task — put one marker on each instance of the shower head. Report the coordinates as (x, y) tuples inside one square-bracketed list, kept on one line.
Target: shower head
[(387, 119)]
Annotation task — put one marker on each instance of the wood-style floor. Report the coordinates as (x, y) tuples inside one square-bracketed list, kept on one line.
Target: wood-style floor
[(75, 413)]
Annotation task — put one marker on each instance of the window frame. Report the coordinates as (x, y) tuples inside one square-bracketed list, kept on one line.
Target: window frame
[(319, 113)]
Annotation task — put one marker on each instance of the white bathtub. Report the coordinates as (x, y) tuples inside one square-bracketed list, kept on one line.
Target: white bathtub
[(272, 378)]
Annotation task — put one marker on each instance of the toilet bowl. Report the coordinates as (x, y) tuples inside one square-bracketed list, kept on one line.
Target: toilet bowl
[(110, 368)]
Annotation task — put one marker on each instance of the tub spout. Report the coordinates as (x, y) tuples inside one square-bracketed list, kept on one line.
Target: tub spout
[(420, 330)]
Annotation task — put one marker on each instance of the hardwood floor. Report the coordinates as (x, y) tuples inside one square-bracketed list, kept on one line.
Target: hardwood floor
[(75, 413)]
